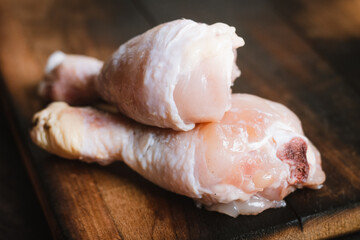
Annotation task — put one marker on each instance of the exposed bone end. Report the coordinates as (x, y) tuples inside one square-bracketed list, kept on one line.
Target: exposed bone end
[(45, 88), (58, 131), (294, 154), (70, 78), (55, 59)]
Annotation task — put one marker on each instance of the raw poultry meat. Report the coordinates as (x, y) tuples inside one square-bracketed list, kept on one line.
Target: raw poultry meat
[(156, 77), (246, 163), (70, 78)]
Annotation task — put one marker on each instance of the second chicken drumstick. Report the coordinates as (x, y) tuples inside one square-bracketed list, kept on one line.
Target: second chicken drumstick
[(156, 77)]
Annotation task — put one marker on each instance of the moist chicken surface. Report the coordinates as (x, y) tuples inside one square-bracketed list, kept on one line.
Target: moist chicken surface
[(248, 162), (156, 77)]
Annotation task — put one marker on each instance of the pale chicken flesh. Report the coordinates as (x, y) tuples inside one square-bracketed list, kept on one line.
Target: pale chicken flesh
[(156, 77), (246, 163)]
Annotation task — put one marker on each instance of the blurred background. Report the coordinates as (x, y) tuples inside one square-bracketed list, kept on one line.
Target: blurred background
[(299, 51)]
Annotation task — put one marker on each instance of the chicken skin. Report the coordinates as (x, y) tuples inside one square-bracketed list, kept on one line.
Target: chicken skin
[(70, 78), (246, 163), (156, 77)]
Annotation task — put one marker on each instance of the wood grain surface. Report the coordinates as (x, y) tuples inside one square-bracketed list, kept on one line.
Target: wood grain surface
[(19, 207), (296, 54)]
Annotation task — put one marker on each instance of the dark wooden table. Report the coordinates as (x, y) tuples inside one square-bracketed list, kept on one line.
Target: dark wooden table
[(21, 216), (304, 55)]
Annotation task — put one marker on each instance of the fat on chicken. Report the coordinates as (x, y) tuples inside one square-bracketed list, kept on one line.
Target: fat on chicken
[(246, 163), (156, 77)]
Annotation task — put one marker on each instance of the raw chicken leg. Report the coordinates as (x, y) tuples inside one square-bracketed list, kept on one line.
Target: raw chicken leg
[(155, 78), (248, 162), (70, 78)]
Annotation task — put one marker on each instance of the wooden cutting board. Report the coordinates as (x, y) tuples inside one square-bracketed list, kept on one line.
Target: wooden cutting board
[(289, 57)]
